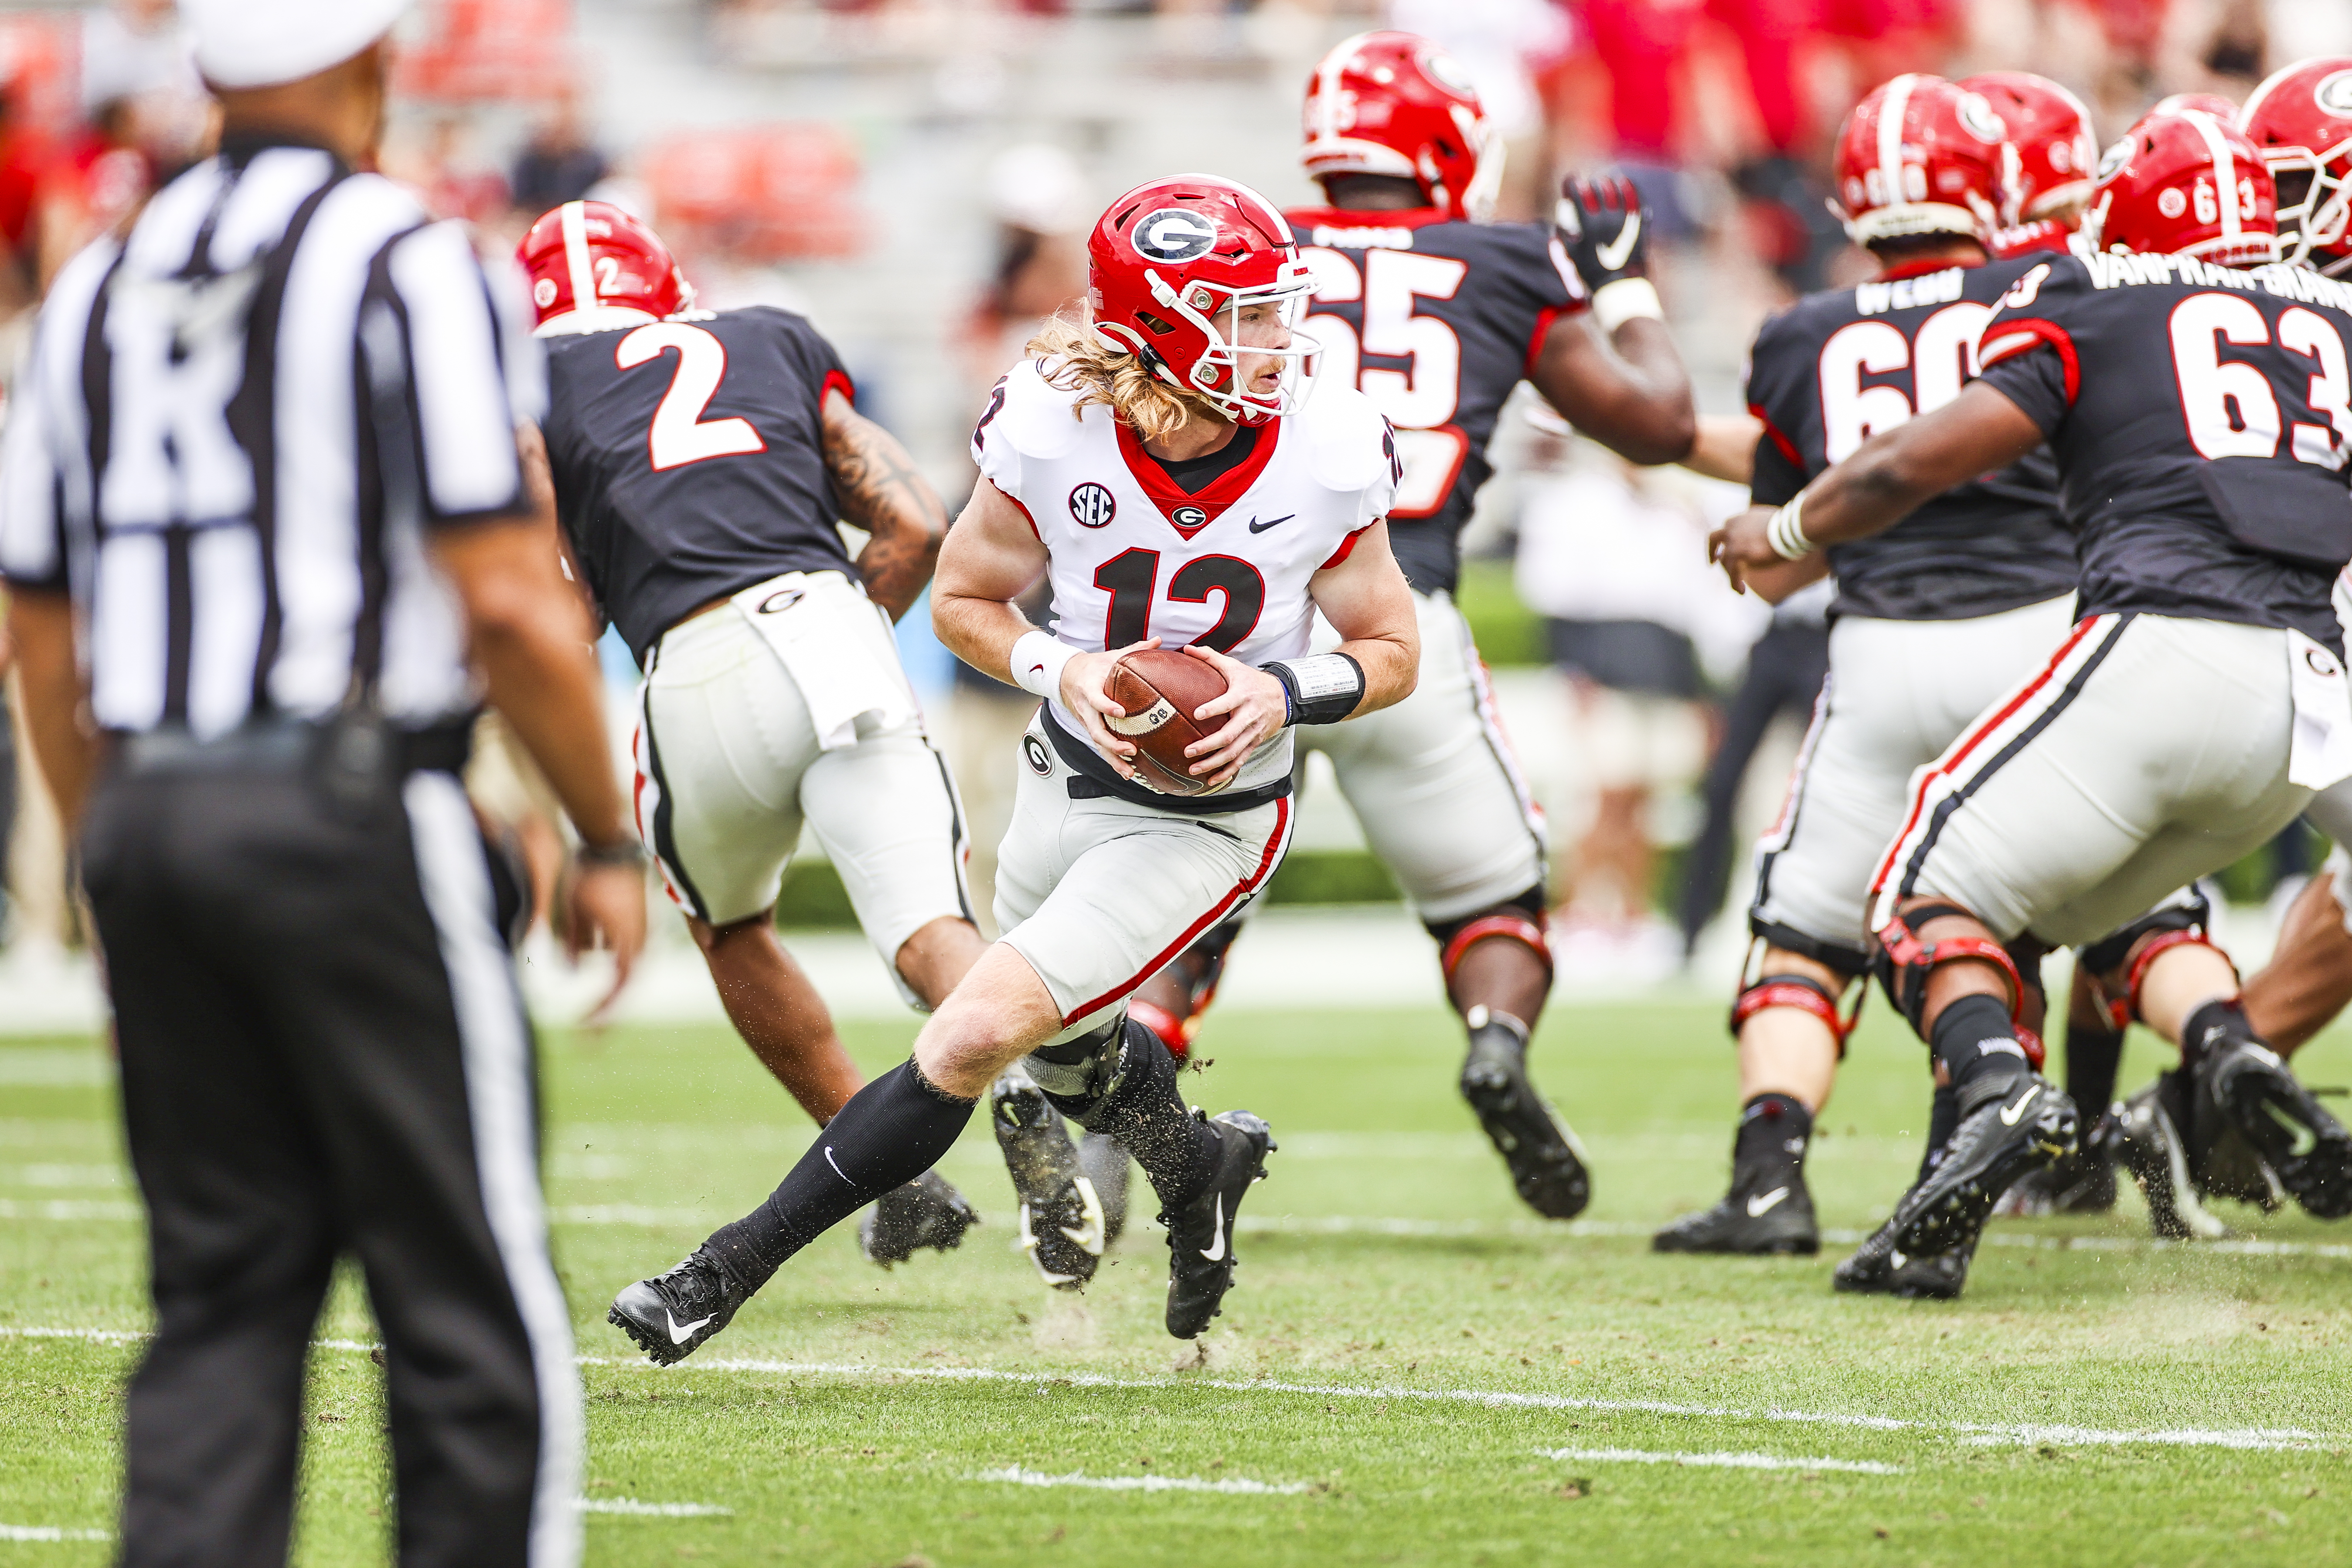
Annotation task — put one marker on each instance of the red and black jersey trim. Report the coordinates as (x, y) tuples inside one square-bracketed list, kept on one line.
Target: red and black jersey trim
[(1211, 500), (1780, 437), (2005, 340)]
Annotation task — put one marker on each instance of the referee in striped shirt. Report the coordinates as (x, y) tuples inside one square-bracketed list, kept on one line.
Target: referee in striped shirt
[(264, 470)]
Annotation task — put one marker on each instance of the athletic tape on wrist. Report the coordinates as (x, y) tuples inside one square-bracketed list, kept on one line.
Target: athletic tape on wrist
[(1323, 687), (1786, 531), (1037, 660), (1614, 304)]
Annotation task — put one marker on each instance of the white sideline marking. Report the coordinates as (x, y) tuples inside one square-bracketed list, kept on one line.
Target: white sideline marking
[(1019, 1477), (654, 1509), (50, 1533), (1721, 1461), (1980, 1434)]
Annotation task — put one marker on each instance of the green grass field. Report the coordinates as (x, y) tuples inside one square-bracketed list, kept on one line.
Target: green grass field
[(1409, 1370)]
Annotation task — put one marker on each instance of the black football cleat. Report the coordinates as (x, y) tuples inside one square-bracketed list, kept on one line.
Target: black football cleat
[(1768, 1213), (673, 1315), (2253, 1092), (1061, 1217), (1878, 1267), (925, 1212), (2006, 1130), (1201, 1234), (1546, 1162), (2080, 1183), (1105, 1164), (2143, 1135)]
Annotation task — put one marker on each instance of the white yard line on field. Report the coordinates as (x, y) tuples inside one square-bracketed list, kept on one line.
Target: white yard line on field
[(50, 1533), (1015, 1475), (654, 1509), (1719, 1461)]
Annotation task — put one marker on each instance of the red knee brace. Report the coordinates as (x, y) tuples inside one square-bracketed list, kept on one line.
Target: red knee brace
[(1513, 924), (1801, 991), (1907, 959), (2123, 1011)]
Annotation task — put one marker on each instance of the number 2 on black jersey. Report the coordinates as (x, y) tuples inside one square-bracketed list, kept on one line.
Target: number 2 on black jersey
[(1130, 577), (678, 433)]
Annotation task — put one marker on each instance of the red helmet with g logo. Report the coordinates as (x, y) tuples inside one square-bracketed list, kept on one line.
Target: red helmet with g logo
[(2185, 184), (593, 266), (1172, 266), (2050, 130), (2301, 121), (1396, 104), (1919, 155)]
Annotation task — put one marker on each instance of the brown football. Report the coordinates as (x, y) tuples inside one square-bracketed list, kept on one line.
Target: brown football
[(1162, 688)]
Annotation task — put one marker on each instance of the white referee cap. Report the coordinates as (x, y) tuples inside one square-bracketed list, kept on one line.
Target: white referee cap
[(264, 43)]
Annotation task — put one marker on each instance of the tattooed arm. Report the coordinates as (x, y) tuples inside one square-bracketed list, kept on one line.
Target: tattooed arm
[(882, 492)]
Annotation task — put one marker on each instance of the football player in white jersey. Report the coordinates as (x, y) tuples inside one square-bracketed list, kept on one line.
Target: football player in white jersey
[(1157, 462)]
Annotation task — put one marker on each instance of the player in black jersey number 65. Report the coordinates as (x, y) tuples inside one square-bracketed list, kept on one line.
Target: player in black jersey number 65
[(2197, 398)]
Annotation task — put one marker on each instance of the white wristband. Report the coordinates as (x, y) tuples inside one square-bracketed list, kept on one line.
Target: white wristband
[(1614, 304), (1037, 661), (1786, 531)]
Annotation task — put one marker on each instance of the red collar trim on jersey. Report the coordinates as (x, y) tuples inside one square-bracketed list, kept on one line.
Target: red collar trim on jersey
[(1210, 501), (1916, 270), (1338, 217)]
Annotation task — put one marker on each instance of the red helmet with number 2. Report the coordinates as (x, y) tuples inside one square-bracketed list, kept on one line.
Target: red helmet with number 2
[(2301, 119), (1169, 260), (594, 267), (2185, 184), (2050, 130), (1396, 104), (1919, 155)]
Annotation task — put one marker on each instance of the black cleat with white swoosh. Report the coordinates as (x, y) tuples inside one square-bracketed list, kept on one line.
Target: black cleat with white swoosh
[(672, 1315), (1768, 1213), (2006, 1130), (1201, 1234), (2250, 1089)]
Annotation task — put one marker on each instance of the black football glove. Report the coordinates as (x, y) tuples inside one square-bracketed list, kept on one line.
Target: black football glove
[(1600, 223)]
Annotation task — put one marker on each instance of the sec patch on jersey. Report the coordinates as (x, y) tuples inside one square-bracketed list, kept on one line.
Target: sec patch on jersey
[(1161, 690)]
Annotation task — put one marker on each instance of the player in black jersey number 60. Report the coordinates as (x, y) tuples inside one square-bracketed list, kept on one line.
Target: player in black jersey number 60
[(2197, 398)]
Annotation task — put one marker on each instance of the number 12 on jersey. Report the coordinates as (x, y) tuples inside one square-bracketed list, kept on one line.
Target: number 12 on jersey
[(1131, 578)]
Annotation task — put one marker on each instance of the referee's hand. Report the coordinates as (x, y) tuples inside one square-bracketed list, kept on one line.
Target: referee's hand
[(606, 910)]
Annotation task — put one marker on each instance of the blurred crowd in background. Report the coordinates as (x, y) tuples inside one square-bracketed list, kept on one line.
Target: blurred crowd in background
[(917, 176)]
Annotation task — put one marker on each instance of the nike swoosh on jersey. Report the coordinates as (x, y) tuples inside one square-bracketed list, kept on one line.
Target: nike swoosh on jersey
[(678, 1336), (2010, 1114), (1760, 1206), (1257, 527), (1613, 254), (1215, 1251)]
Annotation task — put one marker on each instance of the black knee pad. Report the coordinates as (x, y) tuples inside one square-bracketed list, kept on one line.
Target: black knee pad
[(1904, 961), (1121, 1061)]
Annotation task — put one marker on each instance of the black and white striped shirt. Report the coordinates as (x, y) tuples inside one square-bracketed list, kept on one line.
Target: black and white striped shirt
[(229, 446)]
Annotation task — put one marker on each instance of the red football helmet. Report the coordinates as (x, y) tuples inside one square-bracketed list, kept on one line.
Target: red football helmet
[(2050, 131), (2212, 103), (594, 267), (2301, 119), (1918, 155), (1168, 258), (2186, 184), (1394, 103)]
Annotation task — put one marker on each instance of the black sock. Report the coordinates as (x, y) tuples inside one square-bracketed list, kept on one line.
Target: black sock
[(2093, 1057), (1943, 1120), (1974, 1040), (1138, 1104), (891, 1131), (2208, 1028), (1774, 1130)]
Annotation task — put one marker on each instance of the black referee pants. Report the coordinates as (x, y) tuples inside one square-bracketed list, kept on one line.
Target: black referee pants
[(323, 1051)]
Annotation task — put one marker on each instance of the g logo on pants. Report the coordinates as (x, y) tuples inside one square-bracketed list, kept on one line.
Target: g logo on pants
[(1033, 751)]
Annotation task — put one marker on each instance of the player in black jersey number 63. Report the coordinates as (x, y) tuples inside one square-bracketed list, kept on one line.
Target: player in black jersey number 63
[(2197, 398)]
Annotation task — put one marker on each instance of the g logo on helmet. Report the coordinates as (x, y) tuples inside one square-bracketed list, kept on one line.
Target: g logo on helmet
[(542, 293), (1174, 234), (2334, 94), (1092, 506), (1977, 119), (2171, 203)]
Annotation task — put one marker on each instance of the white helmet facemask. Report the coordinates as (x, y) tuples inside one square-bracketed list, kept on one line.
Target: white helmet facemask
[(1217, 375)]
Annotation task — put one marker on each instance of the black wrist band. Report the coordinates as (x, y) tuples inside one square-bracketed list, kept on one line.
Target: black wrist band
[(623, 851), (1321, 689)]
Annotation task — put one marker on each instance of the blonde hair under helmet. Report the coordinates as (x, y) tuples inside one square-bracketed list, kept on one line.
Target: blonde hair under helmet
[(267, 43)]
